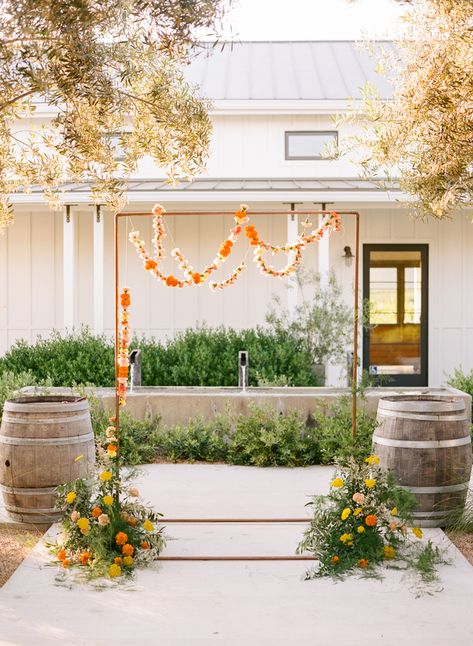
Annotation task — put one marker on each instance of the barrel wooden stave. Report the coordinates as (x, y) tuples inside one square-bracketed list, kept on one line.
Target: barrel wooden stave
[(438, 475), (44, 442)]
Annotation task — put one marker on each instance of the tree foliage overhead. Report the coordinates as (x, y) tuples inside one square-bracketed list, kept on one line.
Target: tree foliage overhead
[(426, 131), (108, 67)]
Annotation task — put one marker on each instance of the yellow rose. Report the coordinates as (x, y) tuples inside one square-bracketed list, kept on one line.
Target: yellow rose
[(345, 513), (372, 459), (114, 570), (357, 511), (360, 529), (83, 523), (370, 483), (389, 552), (394, 511), (128, 560), (338, 482), (417, 532), (148, 526), (105, 475), (71, 496), (108, 501)]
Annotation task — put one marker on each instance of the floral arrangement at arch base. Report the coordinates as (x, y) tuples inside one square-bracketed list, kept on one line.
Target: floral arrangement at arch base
[(364, 522)]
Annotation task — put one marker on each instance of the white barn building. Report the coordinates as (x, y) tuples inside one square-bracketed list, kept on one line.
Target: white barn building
[(274, 104)]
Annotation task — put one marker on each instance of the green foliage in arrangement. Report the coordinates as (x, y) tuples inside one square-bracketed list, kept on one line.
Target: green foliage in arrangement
[(195, 357), (363, 522), (462, 380)]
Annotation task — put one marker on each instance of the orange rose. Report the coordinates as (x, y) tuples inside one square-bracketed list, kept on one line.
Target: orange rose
[(96, 512), (145, 545), (371, 520), (121, 538), (127, 549)]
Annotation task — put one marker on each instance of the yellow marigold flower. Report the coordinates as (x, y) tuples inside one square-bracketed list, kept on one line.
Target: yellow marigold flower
[(345, 513), (338, 482), (105, 475), (128, 560), (417, 532), (108, 501), (357, 511), (71, 496), (114, 570), (346, 537), (349, 543), (389, 552), (370, 483), (148, 526), (394, 511), (83, 523), (372, 459), (112, 454), (360, 529)]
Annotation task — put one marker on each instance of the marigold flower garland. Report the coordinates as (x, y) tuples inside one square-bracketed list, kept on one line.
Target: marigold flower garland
[(123, 345), (192, 277)]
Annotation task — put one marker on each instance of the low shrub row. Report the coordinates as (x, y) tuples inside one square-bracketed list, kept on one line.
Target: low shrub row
[(261, 438), (195, 357)]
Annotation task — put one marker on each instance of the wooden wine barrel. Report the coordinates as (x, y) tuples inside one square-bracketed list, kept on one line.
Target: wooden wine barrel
[(41, 439), (425, 441)]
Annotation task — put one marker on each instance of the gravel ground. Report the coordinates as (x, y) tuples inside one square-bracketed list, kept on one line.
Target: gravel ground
[(464, 542), (15, 545)]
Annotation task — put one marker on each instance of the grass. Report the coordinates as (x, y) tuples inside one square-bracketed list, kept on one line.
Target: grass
[(15, 545)]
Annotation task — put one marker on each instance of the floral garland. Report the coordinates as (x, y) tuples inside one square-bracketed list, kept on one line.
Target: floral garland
[(192, 277), (123, 345)]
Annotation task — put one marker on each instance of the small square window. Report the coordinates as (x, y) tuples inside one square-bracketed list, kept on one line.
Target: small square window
[(311, 144)]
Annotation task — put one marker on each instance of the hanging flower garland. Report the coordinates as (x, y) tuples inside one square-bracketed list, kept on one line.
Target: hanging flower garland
[(123, 343), (192, 277)]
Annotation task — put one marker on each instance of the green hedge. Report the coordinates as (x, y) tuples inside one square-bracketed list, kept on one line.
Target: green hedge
[(195, 357)]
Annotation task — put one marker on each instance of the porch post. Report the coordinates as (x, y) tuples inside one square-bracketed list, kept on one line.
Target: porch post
[(324, 257), (68, 245), (292, 231), (98, 229)]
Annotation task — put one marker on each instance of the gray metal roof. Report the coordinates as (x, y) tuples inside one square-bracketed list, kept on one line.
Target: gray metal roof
[(222, 185), (288, 70)]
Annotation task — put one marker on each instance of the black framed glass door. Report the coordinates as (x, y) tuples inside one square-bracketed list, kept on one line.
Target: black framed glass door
[(395, 289)]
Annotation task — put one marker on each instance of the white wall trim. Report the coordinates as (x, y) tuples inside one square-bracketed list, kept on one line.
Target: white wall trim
[(98, 233), (68, 268)]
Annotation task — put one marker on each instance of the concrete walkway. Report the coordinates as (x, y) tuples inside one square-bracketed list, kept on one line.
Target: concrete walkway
[(236, 603)]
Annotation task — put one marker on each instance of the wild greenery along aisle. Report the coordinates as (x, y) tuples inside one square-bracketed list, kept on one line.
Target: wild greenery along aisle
[(363, 522)]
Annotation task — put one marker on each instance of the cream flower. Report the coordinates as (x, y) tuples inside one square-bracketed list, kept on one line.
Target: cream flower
[(103, 519)]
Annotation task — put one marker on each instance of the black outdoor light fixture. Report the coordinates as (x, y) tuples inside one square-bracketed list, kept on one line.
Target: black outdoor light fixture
[(348, 256)]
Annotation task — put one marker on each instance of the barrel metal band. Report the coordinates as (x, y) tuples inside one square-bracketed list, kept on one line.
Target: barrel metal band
[(50, 421), (422, 444), (434, 514), (22, 510), (438, 489), (459, 417), (38, 441), (28, 491)]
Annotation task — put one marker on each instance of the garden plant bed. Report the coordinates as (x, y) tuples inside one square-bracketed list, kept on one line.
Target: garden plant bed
[(15, 545)]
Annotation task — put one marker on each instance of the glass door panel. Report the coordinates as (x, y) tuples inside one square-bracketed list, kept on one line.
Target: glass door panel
[(395, 286)]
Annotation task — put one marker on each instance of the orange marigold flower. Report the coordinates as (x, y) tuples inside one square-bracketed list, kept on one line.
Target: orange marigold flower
[(118, 560), (96, 512), (121, 538), (150, 264), (371, 520), (171, 281), (61, 555), (197, 278), (84, 557), (123, 371), (363, 563), (334, 560), (132, 521), (66, 563), (128, 549), (145, 545)]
